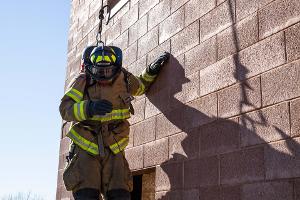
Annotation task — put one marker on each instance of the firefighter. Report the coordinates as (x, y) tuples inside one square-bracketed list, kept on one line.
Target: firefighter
[(98, 104)]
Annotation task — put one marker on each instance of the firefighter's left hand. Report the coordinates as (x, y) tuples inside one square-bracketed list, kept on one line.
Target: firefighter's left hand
[(155, 67)]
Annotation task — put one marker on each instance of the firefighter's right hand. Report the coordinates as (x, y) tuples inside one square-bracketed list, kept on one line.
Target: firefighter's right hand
[(100, 107)]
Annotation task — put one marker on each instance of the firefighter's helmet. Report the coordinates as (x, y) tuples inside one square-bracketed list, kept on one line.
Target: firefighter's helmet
[(105, 63)]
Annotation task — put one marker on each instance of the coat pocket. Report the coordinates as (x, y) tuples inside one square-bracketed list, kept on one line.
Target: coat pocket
[(71, 175)]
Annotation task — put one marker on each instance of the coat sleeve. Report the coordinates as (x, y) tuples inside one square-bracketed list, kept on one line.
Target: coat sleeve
[(139, 85), (72, 106)]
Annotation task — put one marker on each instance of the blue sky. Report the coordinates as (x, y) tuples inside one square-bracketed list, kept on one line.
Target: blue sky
[(33, 48)]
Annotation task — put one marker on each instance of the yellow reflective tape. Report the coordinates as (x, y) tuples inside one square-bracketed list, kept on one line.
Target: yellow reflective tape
[(147, 77), (93, 58), (100, 58), (74, 94), (141, 89), (113, 58), (113, 50), (82, 115), (76, 112), (82, 142), (119, 146), (114, 115), (77, 92), (70, 94)]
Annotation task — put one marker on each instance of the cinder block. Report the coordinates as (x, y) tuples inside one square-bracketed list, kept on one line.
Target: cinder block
[(219, 137), (133, 2), (297, 189), (238, 37), (137, 67), (169, 175), (282, 159), (194, 9), (155, 153), (201, 56), (264, 126), (148, 42), (217, 193), (242, 166), (146, 5), (279, 190), (114, 32), (295, 118), (175, 82), (217, 76), (60, 180), (210, 193), (161, 196), (277, 16), (156, 101), (172, 25), (201, 111), (176, 4), (80, 47), (231, 193), (135, 157), (144, 132), (82, 14), (166, 124), (92, 36), (281, 84), (138, 29), (186, 39), (262, 56), (64, 145), (94, 7), (155, 53), (139, 111), (62, 161), (122, 41), (245, 7), (160, 12), (121, 12), (293, 42), (89, 25), (217, 20), (201, 172), (129, 18), (175, 195), (184, 146), (191, 194), (130, 55), (240, 98), (190, 90)]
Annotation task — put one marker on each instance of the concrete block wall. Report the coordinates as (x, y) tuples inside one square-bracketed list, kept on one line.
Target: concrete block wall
[(222, 121)]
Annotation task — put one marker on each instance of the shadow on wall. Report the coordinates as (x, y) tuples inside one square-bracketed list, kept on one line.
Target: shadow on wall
[(232, 151)]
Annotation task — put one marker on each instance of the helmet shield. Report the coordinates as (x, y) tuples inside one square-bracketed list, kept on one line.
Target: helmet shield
[(103, 72)]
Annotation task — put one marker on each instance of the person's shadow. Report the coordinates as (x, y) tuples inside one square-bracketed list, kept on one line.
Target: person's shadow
[(208, 146)]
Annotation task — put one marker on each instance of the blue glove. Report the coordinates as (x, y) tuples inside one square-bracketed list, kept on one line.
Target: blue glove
[(100, 107)]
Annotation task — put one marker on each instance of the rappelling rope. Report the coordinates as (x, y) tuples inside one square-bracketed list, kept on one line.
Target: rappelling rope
[(101, 18)]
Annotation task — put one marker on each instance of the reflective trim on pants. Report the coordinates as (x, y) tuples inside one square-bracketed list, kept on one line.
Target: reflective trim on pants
[(119, 146), (83, 143)]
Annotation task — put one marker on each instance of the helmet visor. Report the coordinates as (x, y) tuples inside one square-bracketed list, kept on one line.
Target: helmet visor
[(102, 72)]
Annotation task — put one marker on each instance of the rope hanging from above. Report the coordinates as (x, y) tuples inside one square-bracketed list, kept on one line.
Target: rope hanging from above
[(101, 18)]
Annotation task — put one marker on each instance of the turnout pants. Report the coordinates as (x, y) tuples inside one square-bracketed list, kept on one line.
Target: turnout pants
[(89, 176)]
